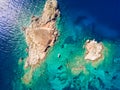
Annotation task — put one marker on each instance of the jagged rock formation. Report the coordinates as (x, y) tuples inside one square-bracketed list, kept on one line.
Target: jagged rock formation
[(41, 33), (93, 50)]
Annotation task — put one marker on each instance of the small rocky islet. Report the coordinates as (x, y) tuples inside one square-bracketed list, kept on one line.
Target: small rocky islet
[(93, 50)]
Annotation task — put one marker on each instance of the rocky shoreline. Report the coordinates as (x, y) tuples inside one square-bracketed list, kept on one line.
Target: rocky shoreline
[(41, 33)]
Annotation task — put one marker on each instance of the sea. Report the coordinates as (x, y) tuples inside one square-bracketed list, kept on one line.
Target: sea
[(79, 21)]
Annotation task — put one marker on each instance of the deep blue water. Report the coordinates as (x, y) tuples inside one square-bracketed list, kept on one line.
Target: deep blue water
[(104, 13), (12, 45), (103, 17)]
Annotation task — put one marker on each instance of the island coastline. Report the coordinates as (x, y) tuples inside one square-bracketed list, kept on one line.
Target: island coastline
[(40, 35)]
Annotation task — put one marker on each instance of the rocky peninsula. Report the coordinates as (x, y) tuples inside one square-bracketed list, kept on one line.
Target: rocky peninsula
[(41, 33), (93, 50)]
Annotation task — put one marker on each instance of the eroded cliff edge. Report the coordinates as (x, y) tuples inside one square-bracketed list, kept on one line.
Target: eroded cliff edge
[(42, 33)]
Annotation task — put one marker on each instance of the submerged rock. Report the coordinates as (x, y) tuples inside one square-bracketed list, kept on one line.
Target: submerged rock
[(41, 33)]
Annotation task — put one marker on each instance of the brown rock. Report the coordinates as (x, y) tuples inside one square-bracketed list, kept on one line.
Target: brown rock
[(93, 50), (41, 33)]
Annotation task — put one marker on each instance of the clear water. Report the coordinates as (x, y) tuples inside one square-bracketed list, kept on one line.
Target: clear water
[(79, 21)]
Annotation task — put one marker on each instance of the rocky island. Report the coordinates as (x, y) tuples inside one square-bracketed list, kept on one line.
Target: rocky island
[(93, 50), (41, 33)]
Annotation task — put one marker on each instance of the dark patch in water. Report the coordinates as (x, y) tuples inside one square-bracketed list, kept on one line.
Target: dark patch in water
[(69, 40), (30, 88), (62, 46), (101, 83), (91, 87), (68, 88), (116, 60), (79, 19), (114, 77), (106, 72), (60, 67), (113, 88)]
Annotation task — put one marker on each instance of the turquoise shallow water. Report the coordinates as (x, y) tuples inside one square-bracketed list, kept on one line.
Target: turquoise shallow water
[(70, 71)]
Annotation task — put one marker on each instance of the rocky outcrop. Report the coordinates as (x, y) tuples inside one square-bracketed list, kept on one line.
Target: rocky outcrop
[(93, 50), (41, 33)]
